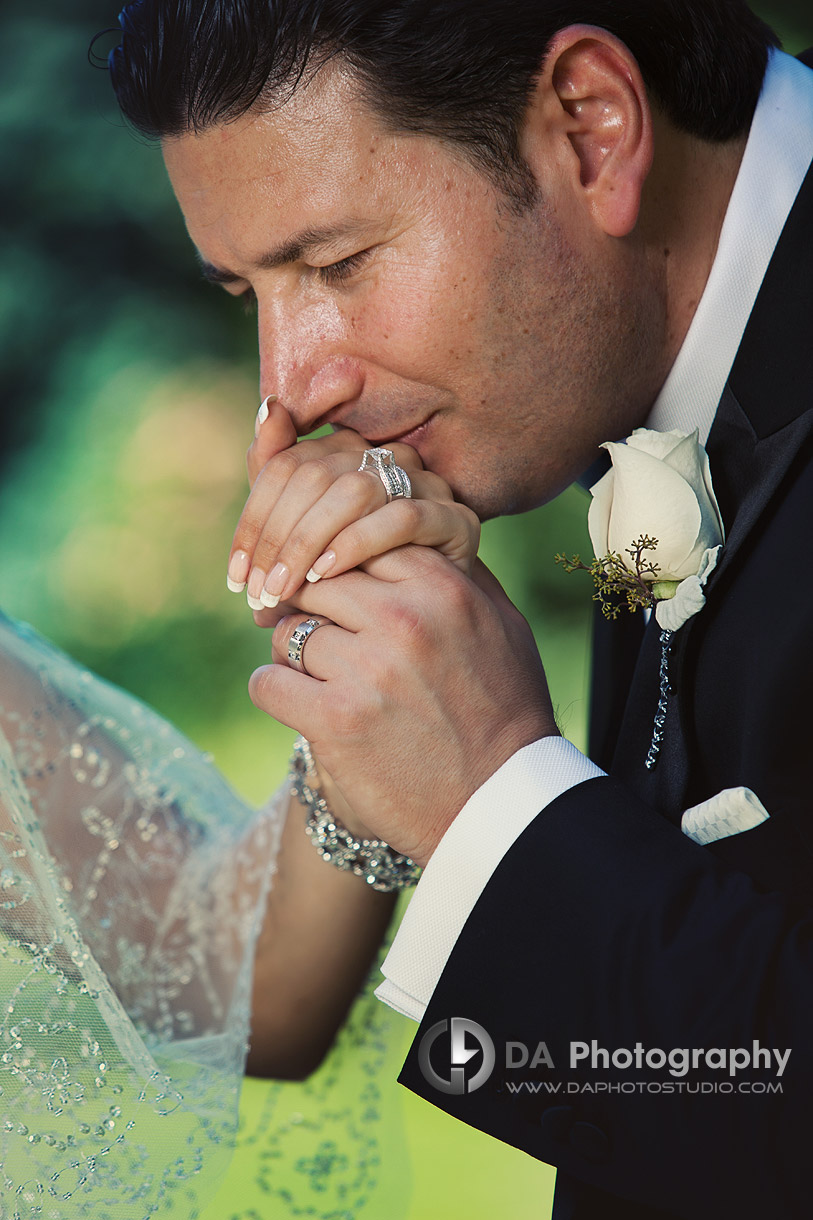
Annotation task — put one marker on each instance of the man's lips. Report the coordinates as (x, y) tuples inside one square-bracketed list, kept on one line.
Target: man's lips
[(410, 436)]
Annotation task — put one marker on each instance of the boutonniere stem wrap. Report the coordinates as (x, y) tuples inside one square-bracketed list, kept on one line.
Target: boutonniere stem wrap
[(656, 531)]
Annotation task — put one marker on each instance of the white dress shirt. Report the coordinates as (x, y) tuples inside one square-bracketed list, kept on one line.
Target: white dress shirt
[(777, 155)]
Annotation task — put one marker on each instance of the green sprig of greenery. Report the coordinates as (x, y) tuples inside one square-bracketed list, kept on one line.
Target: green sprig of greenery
[(617, 578)]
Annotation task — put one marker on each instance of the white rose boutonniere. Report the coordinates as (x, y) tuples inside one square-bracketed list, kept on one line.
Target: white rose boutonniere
[(655, 526), (656, 531)]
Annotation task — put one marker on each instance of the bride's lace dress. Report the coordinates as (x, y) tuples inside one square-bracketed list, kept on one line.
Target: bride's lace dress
[(132, 882)]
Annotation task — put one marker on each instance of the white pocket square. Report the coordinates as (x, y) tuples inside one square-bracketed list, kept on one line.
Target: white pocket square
[(730, 812)]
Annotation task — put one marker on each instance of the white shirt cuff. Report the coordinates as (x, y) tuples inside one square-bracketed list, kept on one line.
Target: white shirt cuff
[(464, 860)]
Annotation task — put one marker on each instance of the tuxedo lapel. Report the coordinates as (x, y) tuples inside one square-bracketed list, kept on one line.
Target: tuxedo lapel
[(758, 432), (755, 439), (751, 470), (616, 647)]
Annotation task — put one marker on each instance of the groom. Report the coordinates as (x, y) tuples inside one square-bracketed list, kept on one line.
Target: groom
[(506, 237)]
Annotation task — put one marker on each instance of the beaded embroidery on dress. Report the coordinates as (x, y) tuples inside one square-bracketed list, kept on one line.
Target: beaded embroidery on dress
[(132, 881)]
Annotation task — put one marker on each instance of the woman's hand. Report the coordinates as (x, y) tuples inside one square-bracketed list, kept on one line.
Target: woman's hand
[(311, 513)]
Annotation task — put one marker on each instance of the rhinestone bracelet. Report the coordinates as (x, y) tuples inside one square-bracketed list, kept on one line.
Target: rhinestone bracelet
[(382, 868)]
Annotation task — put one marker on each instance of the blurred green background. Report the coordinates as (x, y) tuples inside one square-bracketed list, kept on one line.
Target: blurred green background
[(128, 399)]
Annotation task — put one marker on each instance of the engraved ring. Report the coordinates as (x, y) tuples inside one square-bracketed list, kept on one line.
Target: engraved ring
[(298, 640), (395, 478)]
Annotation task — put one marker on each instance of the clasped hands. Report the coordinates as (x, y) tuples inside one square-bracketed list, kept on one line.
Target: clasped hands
[(427, 678)]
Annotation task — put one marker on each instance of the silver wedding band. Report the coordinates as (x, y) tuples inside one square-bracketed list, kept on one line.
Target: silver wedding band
[(395, 479), (298, 640)]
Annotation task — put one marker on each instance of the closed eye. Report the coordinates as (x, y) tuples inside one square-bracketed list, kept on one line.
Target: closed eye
[(333, 274), (340, 272)]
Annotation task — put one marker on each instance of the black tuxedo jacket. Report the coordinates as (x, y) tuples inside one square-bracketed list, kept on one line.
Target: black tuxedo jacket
[(604, 922)]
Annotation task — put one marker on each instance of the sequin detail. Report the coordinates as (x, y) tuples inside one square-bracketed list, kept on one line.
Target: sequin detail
[(132, 881)]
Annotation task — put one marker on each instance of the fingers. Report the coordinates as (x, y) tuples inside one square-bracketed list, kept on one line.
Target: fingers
[(299, 504), (294, 695), (348, 524), (275, 435), (312, 514), (288, 478), (352, 496), (334, 599), (268, 486), (273, 432), (287, 696), (416, 692), (286, 526), (356, 599), (341, 598), (450, 528), (317, 658)]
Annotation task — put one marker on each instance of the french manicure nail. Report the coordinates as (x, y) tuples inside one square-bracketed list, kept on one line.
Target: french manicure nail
[(262, 414), (255, 585), (238, 571), (274, 585), (321, 566)]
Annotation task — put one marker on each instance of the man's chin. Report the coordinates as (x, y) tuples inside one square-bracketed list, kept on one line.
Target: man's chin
[(488, 506)]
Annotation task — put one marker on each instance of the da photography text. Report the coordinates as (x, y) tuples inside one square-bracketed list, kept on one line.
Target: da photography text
[(459, 1056)]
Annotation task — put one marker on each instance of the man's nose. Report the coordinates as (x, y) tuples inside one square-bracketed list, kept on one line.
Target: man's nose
[(307, 360)]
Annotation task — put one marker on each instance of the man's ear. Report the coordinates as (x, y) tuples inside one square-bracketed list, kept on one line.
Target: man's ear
[(590, 107)]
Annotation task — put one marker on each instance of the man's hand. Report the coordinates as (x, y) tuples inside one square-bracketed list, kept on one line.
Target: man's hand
[(425, 685)]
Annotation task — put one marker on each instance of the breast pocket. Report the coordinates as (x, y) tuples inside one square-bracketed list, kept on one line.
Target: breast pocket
[(730, 812)]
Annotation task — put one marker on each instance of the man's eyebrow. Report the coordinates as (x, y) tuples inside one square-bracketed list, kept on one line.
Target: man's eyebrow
[(290, 251)]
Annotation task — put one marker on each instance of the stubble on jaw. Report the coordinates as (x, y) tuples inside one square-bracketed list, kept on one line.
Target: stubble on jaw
[(593, 350)]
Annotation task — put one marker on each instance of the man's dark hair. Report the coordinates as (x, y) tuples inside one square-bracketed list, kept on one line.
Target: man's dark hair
[(460, 70)]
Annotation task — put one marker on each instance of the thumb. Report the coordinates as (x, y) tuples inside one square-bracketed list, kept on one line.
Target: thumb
[(274, 431)]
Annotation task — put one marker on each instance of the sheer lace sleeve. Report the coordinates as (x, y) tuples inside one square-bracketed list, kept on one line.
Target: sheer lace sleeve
[(132, 881)]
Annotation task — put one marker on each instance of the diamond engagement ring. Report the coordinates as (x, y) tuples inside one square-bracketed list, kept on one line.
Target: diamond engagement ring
[(299, 637), (395, 478)]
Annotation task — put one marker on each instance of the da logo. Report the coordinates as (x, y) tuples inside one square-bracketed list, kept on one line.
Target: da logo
[(456, 1081)]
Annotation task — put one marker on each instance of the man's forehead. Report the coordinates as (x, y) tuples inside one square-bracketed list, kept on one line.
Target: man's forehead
[(320, 131), (280, 185)]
